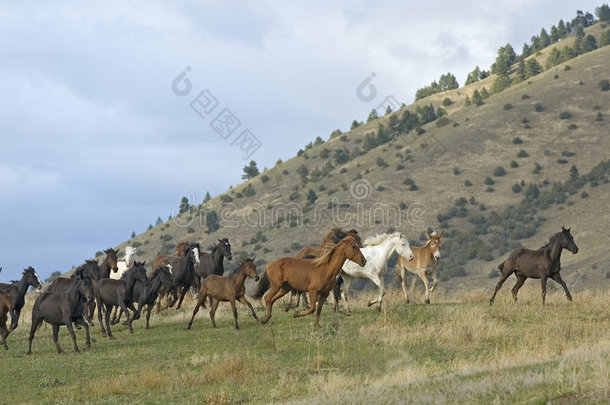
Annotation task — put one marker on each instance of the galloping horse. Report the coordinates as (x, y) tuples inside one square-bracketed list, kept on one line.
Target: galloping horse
[(109, 293), (316, 276), (377, 250), (183, 270), (542, 263), (63, 308), (89, 270), (17, 290), (310, 252), (425, 261), (229, 288)]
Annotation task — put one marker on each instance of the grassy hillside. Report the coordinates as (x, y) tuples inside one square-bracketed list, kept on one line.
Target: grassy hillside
[(555, 120), (460, 351)]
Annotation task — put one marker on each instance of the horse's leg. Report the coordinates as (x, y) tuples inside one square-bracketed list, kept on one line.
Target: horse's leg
[(413, 282), (543, 285), (87, 335), (184, 290), (434, 280), (303, 294), (375, 278), (243, 300), (72, 335), (4, 334), (116, 318), (557, 278), (129, 319), (213, 308), (424, 278), (234, 313), (35, 324), (99, 315), (505, 274), (108, 309), (56, 338), (273, 295), (148, 311), (347, 283), (15, 319), (200, 301), (520, 280), (403, 283), (313, 299), (320, 304)]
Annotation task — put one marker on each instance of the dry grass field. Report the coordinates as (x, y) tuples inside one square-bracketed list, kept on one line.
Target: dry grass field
[(456, 350)]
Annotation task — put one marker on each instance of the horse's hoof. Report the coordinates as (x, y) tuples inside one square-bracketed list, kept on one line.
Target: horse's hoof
[(370, 303), (29, 353), (427, 300)]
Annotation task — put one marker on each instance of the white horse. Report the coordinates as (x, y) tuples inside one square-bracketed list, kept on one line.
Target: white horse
[(377, 250), (130, 253)]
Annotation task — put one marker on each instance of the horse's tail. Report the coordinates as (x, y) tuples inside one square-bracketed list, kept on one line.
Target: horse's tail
[(262, 286), (337, 289), (501, 266)]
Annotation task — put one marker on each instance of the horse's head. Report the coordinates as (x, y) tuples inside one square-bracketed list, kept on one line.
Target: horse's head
[(249, 268), (567, 241), (164, 273), (354, 234), (403, 248), (193, 250), (225, 248), (434, 244), (30, 277), (112, 259), (139, 271), (353, 251), (85, 287), (92, 269)]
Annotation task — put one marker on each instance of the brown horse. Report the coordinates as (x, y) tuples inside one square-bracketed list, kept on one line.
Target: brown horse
[(180, 250), (316, 276), (310, 252), (542, 263), (422, 264), (226, 288), (6, 305)]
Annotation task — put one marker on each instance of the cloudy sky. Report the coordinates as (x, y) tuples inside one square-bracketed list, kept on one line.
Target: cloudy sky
[(98, 134)]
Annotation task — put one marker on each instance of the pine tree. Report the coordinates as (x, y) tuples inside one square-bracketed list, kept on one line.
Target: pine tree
[(184, 205), (250, 171), (159, 221), (477, 99), (207, 197), (603, 12)]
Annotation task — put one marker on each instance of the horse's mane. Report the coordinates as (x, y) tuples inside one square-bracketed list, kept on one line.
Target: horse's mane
[(328, 252), (552, 240), (212, 248), (380, 238)]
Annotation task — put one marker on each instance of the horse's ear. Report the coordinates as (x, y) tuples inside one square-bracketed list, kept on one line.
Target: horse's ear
[(441, 235), (569, 227), (143, 263), (117, 251), (563, 229), (427, 235)]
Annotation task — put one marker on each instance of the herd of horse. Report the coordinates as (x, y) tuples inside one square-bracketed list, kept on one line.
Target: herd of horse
[(313, 273)]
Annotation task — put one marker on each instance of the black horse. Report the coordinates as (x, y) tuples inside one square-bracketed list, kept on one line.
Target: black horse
[(147, 295), (109, 292), (17, 290), (89, 270), (183, 270), (63, 308), (542, 263), (212, 262), (110, 263)]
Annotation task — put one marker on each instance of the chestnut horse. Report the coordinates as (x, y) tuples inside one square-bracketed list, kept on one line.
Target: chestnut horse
[(542, 263), (226, 288), (310, 252), (316, 276), (423, 264)]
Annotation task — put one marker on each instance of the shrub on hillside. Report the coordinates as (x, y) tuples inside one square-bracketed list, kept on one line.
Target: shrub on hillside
[(522, 154), (499, 171), (564, 115), (489, 181), (538, 107), (514, 164), (604, 85)]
